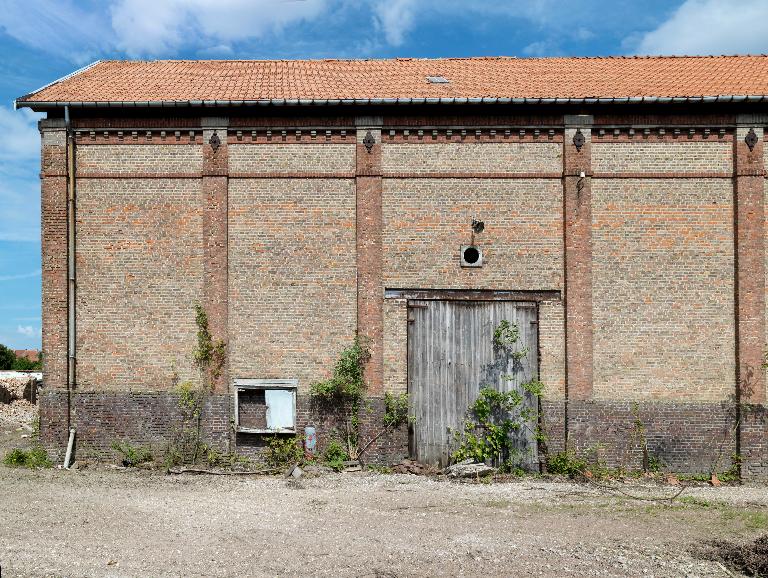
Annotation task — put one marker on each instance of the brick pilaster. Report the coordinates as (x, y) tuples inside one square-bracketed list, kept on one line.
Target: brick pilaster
[(577, 214), (749, 181), (370, 289), (53, 186), (54, 252), (215, 245)]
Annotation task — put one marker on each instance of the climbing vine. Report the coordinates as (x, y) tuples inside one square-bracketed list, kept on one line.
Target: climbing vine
[(209, 357), (345, 395), (496, 417)]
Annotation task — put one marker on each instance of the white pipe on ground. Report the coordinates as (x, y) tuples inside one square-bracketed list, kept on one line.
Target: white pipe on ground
[(70, 445)]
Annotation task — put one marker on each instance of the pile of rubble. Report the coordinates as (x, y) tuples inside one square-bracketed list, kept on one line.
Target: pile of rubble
[(17, 393), (413, 467)]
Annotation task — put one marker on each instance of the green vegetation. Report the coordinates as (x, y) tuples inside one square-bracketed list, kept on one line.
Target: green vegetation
[(132, 456), (35, 458), (347, 384), (395, 410), (494, 417), (505, 335), (283, 451), (209, 355), (186, 445), (335, 455), (344, 395), (9, 361), (566, 463)]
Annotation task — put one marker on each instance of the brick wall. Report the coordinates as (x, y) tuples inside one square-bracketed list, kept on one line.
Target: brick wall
[(147, 158), (427, 220), (292, 294), (639, 156), (472, 157), (663, 289), (139, 250), (395, 345), (683, 437), (291, 158), (552, 348), (286, 230)]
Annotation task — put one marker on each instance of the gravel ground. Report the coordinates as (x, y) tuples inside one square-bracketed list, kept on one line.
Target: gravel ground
[(103, 522)]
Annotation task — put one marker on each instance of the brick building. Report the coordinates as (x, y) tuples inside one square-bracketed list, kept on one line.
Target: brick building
[(300, 202)]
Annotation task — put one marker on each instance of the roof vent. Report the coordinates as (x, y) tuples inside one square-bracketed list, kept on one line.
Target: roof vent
[(437, 80)]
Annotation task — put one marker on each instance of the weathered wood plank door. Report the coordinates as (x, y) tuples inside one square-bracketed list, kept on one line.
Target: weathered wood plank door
[(451, 356)]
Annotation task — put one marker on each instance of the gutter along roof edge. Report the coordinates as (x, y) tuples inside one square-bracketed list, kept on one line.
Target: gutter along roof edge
[(380, 101)]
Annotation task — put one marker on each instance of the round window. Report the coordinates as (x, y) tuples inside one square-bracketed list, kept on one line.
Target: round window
[(471, 255)]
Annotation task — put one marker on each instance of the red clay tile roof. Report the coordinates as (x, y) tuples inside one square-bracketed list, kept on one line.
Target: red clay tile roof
[(181, 81)]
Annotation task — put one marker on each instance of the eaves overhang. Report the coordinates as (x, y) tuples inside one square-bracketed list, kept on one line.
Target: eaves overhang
[(46, 105)]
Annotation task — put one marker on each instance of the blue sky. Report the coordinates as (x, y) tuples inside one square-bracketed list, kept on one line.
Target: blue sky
[(42, 40)]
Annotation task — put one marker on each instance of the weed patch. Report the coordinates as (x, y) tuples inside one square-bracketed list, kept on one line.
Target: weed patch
[(132, 455), (335, 455), (34, 458), (283, 452)]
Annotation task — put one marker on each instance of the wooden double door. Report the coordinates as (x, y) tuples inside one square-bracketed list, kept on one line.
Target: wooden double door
[(452, 355)]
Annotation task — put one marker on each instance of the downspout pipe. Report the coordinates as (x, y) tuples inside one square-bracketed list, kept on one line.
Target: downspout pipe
[(71, 280)]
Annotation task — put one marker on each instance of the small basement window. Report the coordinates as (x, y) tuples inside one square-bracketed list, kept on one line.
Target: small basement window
[(265, 405)]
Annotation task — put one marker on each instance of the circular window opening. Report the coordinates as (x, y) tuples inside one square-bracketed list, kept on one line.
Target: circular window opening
[(471, 255)]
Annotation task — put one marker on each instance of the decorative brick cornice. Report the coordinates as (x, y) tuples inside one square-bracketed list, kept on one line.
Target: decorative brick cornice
[(138, 137), (663, 134), (473, 135), (295, 136)]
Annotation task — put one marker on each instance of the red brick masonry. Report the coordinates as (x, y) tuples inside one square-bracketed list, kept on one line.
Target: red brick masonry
[(290, 230)]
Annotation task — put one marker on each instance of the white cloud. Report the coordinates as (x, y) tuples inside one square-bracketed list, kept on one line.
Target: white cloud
[(57, 27), (21, 139), (395, 18), (21, 276), (19, 165), (709, 27), (28, 330), (157, 27)]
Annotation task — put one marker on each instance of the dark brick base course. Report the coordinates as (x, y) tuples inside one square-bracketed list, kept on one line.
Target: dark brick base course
[(141, 419), (387, 449), (753, 442), (685, 437), (152, 419)]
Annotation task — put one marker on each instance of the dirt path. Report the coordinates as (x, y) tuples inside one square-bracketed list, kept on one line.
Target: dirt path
[(133, 523)]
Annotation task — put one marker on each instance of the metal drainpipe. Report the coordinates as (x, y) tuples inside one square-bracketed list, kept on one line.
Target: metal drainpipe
[(71, 357)]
